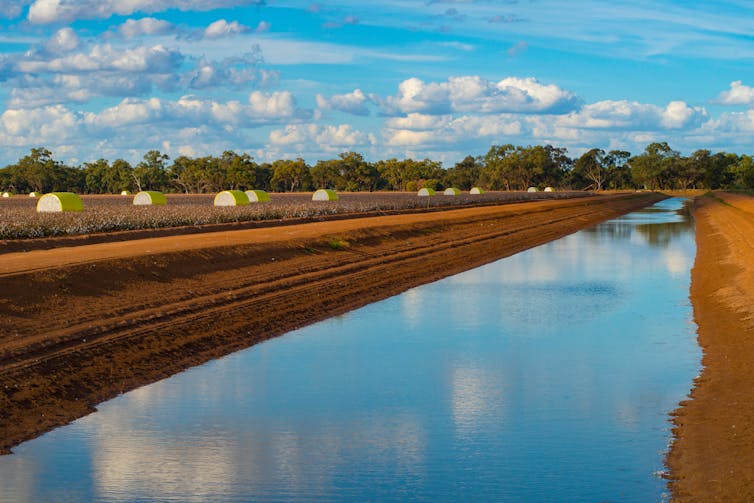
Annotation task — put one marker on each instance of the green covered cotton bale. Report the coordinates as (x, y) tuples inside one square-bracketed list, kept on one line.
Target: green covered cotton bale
[(325, 195), (549, 189), (149, 198), (258, 196), (231, 198), (125, 193), (426, 191), (34, 194), (55, 202), (476, 191), (451, 191), (532, 189)]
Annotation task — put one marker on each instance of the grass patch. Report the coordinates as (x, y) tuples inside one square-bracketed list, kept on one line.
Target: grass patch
[(339, 244)]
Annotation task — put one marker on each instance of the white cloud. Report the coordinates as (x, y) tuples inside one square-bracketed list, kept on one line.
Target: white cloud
[(222, 28), (64, 40), (326, 138), (156, 59), (353, 103), (632, 115), (46, 124), (133, 28), (738, 94), (475, 94), (263, 27), (417, 129), (63, 11)]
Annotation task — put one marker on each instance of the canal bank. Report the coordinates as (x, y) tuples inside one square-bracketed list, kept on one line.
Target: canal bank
[(712, 457), (551, 372), (88, 323)]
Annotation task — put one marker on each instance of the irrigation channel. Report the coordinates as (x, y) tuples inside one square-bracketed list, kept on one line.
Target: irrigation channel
[(546, 376)]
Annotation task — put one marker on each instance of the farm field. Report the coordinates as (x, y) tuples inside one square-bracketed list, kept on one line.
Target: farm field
[(114, 213), (89, 322)]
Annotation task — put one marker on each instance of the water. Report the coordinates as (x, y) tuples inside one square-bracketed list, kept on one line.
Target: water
[(546, 376)]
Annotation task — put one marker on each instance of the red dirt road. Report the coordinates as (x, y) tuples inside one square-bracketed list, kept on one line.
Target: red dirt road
[(85, 323)]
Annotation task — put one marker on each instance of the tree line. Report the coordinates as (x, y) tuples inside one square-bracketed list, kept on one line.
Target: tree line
[(503, 167)]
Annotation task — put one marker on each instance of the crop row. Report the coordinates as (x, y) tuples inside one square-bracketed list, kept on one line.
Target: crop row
[(19, 220)]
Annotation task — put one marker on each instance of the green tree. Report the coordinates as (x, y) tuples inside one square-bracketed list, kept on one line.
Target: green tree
[(290, 175), (464, 174), (152, 172)]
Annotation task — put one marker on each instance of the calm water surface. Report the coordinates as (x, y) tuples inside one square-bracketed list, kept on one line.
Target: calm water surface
[(546, 376)]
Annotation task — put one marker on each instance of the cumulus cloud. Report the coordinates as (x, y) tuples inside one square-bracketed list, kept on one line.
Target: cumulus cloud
[(738, 94), (632, 115), (222, 28), (52, 124), (64, 11), (353, 103), (156, 59), (418, 129), (236, 71), (327, 138), (133, 28), (475, 94), (64, 40)]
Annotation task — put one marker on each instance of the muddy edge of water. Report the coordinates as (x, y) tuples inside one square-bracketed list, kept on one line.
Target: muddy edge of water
[(712, 456), (81, 334)]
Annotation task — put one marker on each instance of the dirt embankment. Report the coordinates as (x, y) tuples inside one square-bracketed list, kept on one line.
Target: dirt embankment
[(712, 458), (83, 324)]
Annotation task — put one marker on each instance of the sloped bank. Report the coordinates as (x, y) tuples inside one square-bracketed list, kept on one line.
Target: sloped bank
[(84, 324), (712, 457)]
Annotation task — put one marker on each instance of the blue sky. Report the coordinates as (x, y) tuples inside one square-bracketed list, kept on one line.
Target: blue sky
[(440, 78)]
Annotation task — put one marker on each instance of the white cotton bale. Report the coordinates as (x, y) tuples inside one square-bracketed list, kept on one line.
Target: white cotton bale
[(549, 189), (532, 189), (7, 194), (258, 196), (425, 192), (56, 202), (451, 191), (325, 195), (231, 198), (475, 191), (150, 197)]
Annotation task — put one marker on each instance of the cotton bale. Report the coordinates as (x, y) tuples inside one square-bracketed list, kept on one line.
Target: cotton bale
[(7, 194), (125, 193), (325, 195), (231, 198), (549, 189), (426, 191), (56, 202), (532, 189), (451, 191), (258, 196), (150, 198), (34, 194), (476, 191)]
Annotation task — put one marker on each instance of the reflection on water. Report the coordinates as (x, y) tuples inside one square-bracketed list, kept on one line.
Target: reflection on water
[(546, 376)]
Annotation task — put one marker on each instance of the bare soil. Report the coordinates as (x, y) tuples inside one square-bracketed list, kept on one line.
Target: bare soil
[(712, 457), (83, 323)]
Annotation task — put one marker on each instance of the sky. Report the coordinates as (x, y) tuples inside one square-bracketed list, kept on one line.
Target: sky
[(438, 79)]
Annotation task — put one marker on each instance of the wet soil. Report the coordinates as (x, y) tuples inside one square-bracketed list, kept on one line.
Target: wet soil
[(712, 457)]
